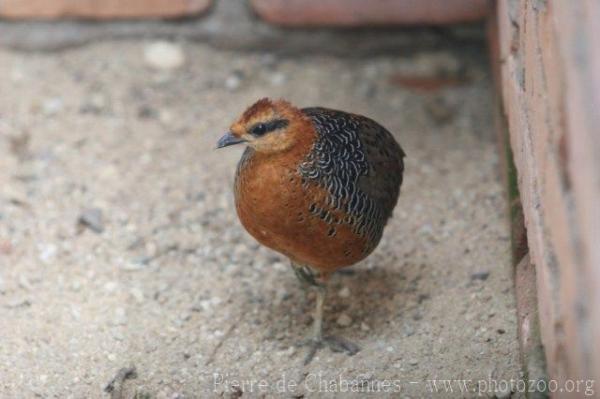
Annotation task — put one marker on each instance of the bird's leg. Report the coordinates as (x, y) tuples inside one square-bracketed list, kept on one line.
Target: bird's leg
[(318, 340), (318, 320)]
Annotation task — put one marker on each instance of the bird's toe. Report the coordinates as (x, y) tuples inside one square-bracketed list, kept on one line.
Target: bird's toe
[(335, 344), (339, 344)]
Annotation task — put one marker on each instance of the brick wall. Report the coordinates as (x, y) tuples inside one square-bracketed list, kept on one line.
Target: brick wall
[(549, 70), (281, 12)]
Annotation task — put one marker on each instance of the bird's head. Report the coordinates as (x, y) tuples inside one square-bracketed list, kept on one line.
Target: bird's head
[(268, 127)]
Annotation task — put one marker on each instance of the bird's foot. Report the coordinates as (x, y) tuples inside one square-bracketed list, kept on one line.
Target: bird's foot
[(336, 344)]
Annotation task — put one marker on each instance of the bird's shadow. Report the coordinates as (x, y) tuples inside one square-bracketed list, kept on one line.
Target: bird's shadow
[(377, 295), (371, 297)]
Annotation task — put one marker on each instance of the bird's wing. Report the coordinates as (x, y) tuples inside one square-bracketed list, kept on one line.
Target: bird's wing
[(356, 161), (386, 164)]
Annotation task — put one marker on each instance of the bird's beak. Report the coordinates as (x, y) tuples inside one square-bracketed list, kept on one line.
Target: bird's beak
[(229, 139)]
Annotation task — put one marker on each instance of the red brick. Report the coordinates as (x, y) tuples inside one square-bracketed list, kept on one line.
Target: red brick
[(101, 9), (374, 12)]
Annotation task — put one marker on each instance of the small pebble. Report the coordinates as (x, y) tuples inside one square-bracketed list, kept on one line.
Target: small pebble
[(277, 79), (137, 294), (364, 327), (95, 104), (146, 111), (344, 320), (150, 348), (118, 336), (483, 275), (440, 110), (233, 82), (92, 219), (165, 117), (75, 286), (504, 393), (111, 286), (185, 316), (52, 106), (24, 282), (280, 266), (47, 252), (120, 317), (75, 313), (135, 265), (344, 292), (408, 331), (164, 55), (413, 362)]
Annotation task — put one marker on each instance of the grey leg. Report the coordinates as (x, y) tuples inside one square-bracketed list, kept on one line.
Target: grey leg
[(318, 322), (318, 340)]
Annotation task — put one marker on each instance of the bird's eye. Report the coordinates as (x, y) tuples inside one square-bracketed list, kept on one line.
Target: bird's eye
[(259, 129)]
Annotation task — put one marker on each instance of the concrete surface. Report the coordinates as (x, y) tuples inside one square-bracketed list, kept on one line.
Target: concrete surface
[(119, 243)]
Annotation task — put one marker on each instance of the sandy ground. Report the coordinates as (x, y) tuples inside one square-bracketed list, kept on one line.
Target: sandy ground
[(174, 286)]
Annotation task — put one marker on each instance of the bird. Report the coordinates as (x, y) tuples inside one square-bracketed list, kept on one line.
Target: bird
[(317, 185)]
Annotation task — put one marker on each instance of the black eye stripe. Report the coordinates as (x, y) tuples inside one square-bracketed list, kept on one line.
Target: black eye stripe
[(260, 128)]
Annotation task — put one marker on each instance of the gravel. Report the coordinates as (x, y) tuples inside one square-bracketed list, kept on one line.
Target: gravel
[(144, 154)]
